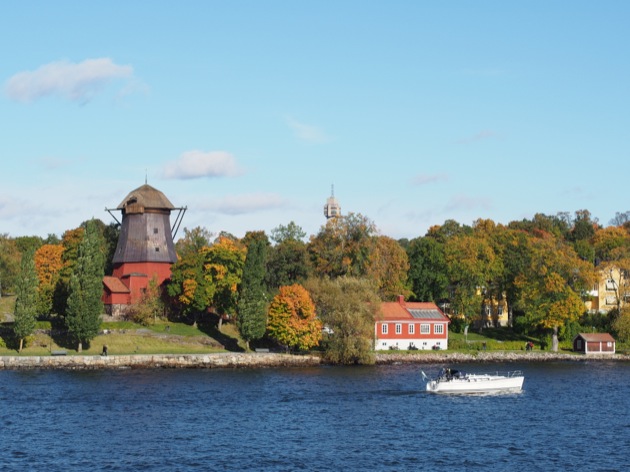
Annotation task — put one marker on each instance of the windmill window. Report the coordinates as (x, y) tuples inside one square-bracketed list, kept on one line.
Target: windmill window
[(157, 249), (155, 231)]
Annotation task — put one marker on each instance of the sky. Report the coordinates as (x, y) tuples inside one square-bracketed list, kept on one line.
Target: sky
[(252, 113)]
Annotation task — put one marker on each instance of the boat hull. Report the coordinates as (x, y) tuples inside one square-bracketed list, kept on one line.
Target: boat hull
[(477, 384)]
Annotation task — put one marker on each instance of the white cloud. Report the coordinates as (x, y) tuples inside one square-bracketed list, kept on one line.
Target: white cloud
[(197, 164), (308, 133), (73, 81), (246, 203)]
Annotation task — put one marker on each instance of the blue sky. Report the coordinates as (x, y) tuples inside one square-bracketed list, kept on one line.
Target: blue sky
[(247, 112)]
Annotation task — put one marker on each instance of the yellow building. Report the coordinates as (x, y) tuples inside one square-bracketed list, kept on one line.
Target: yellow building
[(610, 291)]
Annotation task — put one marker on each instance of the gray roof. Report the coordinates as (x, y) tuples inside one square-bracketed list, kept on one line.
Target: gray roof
[(426, 314), (148, 197)]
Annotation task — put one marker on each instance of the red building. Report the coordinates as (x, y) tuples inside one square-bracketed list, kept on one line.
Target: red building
[(145, 248), (594, 343), (409, 325)]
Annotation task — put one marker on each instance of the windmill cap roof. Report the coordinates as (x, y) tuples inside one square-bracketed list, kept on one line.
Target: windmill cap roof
[(148, 197)]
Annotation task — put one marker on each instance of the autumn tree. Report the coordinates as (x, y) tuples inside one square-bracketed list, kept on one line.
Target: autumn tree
[(473, 266), (193, 241), (48, 264), (207, 278), (348, 308), (150, 307), (252, 301), (343, 246), (84, 308), (70, 240), (292, 320), (26, 296), (388, 266), (552, 283), (223, 266)]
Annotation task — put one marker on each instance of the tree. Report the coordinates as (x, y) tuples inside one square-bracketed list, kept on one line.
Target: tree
[(84, 309), (291, 232), (288, 263), (343, 246), (223, 268), (552, 283), (150, 307), (193, 241), (48, 264), (252, 302), (388, 266), (26, 297), (348, 308), (292, 320), (427, 269), (10, 257), (473, 267)]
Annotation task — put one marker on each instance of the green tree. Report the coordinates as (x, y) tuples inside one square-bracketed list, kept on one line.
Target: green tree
[(10, 257), (26, 298), (348, 308), (288, 263), (84, 309), (427, 269), (291, 232), (252, 302), (193, 241), (292, 320)]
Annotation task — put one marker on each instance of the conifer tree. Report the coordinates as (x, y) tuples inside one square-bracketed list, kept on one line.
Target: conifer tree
[(83, 314), (252, 303), (26, 300)]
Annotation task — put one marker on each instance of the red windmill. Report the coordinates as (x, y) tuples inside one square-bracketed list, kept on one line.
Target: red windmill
[(145, 247)]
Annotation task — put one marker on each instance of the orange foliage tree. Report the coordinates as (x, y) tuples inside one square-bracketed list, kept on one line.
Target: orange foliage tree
[(48, 264), (292, 320)]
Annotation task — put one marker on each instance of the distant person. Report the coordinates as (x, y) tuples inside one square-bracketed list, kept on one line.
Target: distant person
[(104, 353)]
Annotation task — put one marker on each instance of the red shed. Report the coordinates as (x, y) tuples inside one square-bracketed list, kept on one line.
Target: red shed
[(411, 325), (594, 343)]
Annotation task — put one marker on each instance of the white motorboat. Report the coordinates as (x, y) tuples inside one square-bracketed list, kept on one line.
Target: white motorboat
[(454, 381)]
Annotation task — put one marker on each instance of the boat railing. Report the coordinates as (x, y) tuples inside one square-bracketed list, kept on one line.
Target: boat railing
[(511, 373)]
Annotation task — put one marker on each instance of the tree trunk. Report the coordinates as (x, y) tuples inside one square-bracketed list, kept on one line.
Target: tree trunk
[(80, 347), (554, 339), (21, 344)]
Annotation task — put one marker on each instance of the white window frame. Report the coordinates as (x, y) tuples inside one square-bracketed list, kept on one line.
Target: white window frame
[(425, 328), (398, 328), (412, 328), (438, 328), (384, 329)]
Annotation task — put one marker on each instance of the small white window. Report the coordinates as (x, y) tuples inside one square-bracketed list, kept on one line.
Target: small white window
[(412, 328), (384, 328), (425, 328), (398, 328), (438, 329)]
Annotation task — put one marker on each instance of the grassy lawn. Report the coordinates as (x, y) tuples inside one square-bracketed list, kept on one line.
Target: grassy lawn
[(124, 337)]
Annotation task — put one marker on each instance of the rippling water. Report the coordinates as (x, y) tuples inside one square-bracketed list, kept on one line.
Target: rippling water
[(569, 416)]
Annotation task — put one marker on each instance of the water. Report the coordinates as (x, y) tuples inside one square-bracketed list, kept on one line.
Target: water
[(569, 416)]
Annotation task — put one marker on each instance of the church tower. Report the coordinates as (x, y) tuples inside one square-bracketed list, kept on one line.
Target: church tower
[(332, 208), (145, 248)]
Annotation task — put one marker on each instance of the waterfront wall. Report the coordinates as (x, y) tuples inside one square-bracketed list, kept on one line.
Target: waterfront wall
[(270, 360), (173, 361)]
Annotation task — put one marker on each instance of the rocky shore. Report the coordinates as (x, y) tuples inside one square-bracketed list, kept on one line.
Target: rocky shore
[(269, 360)]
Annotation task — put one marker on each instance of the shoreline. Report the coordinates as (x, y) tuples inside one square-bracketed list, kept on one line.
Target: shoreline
[(271, 360)]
